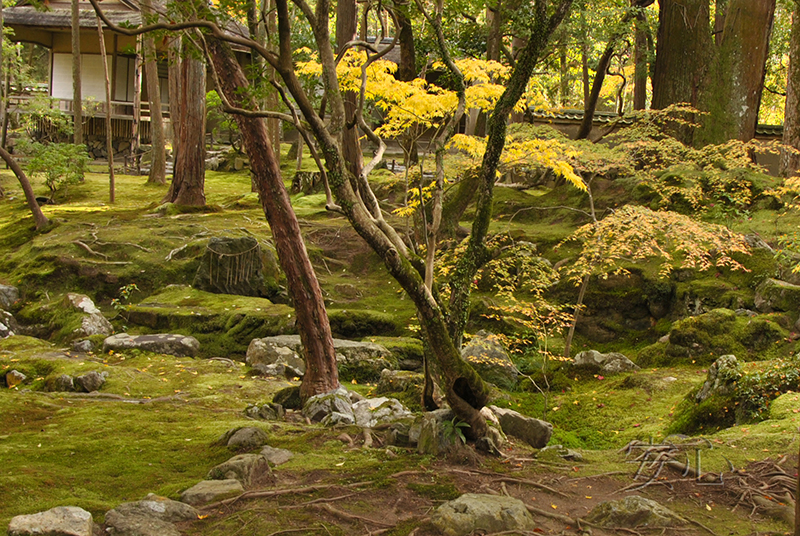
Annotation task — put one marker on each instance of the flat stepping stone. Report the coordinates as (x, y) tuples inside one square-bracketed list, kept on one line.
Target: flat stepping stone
[(207, 491), (59, 521), (159, 343), (154, 516)]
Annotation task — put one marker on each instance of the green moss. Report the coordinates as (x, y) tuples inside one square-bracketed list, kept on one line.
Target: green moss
[(355, 324)]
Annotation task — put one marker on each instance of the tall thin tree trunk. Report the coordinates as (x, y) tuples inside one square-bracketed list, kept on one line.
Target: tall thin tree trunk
[(158, 160), (137, 105), (790, 162), (312, 319), (109, 134), (77, 99), (640, 55)]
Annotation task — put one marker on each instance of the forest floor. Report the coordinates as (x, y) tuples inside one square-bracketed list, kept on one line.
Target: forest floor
[(154, 427)]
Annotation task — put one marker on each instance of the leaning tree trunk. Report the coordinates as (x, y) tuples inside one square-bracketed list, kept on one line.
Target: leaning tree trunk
[(39, 218), (188, 180), (158, 159), (321, 373), (732, 93), (109, 134), (790, 161)]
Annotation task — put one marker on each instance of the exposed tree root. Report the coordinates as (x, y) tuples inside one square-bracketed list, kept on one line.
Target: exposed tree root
[(262, 494)]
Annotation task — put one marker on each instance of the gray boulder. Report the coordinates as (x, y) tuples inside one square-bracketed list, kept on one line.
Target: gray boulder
[(362, 361), (91, 381), (237, 266), (280, 350), (245, 438), (276, 456), (162, 343), (721, 378), (428, 432), (336, 418), (207, 491), (535, 432), (633, 511), (486, 513), (85, 346), (153, 516), (59, 521), (265, 412), (60, 383), (318, 407), (8, 296), (488, 357), (372, 412), (245, 468), (93, 321), (610, 363)]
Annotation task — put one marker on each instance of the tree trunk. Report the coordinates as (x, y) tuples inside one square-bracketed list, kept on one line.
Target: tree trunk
[(321, 373), (77, 99), (109, 133), (346, 30), (188, 180), (407, 69), (732, 93), (790, 162), (494, 40), (174, 59), (158, 159), (136, 135), (682, 51), (641, 54), (40, 220)]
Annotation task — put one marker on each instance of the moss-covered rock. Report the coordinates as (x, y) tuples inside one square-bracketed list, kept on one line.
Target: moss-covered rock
[(360, 323), (703, 338), (774, 295)]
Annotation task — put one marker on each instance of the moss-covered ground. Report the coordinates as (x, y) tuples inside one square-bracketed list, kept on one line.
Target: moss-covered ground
[(153, 426)]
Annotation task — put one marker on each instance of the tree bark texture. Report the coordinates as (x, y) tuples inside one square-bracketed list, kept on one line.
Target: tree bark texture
[(174, 59), (682, 51), (790, 162), (346, 31), (407, 69), (39, 219), (158, 159), (188, 181), (77, 99), (732, 93), (321, 373), (641, 62)]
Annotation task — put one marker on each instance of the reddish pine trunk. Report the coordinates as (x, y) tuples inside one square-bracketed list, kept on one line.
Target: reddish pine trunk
[(39, 218), (158, 160), (312, 319)]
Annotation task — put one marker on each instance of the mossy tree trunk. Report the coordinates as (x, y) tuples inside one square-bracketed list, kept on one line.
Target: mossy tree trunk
[(642, 45), (732, 93), (790, 162), (315, 333)]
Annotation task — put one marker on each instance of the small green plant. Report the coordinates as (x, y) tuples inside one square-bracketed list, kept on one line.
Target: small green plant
[(59, 164), (121, 304), (452, 431)]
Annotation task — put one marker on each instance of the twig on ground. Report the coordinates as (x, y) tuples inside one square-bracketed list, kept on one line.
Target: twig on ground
[(315, 501), (533, 483)]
